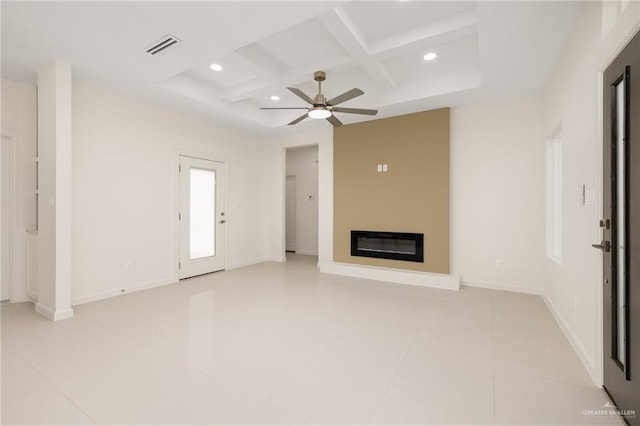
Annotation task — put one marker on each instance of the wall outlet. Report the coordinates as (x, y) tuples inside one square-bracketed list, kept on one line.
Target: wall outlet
[(574, 303), (128, 267), (499, 264)]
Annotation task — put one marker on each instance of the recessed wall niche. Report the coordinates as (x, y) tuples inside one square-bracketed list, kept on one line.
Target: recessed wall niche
[(411, 196)]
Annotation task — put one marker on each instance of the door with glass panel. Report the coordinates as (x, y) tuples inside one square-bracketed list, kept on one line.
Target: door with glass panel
[(620, 243), (202, 216)]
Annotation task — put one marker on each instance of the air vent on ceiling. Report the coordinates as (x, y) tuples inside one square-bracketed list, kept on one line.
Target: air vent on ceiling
[(162, 44)]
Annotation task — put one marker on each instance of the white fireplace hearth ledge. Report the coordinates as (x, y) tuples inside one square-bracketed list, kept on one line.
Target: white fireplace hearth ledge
[(400, 276)]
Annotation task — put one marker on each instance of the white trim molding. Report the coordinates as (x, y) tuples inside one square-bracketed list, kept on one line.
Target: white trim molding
[(575, 343), (119, 291), (17, 291), (501, 287), (400, 276), (53, 316), (248, 263), (582, 353)]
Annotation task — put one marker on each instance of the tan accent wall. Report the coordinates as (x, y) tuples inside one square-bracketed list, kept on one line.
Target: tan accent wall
[(412, 196)]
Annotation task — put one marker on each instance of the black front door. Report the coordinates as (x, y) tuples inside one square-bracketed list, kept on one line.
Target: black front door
[(621, 231)]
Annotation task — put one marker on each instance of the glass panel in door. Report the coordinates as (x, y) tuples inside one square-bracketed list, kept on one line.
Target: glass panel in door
[(202, 211)]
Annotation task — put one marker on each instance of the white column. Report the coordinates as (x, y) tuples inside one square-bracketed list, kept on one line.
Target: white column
[(54, 183)]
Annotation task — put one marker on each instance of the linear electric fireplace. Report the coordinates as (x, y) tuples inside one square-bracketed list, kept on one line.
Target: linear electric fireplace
[(388, 245)]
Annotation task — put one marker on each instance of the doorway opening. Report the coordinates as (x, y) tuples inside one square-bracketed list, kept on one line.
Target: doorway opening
[(301, 200)]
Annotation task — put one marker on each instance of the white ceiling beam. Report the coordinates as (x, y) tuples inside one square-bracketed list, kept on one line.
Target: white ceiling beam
[(451, 28), (286, 79), (341, 26), (262, 61)]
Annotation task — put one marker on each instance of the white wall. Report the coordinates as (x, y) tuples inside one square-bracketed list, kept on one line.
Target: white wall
[(18, 121), (573, 99), (303, 164), (125, 204), (497, 195)]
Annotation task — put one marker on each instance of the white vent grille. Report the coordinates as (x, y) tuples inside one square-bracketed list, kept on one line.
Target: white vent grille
[(162, 44)]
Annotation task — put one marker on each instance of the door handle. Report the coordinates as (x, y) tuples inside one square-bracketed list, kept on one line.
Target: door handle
[(605, 246), (223, 221)]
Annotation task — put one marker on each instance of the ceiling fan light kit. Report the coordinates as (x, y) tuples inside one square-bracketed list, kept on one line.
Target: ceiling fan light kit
[(321, 108), (319, 112)]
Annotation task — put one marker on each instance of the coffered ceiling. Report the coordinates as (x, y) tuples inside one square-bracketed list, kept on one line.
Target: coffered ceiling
[(485, 51)]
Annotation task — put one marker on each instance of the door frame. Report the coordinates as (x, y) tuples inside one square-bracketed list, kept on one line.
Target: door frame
[(17, 289), (286, 194), (176, 245), (283, 207), (599, 205)]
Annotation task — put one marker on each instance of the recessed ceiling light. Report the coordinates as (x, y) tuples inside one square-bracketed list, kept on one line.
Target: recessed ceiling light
[(216, 67), (430, 56), (275, 98)]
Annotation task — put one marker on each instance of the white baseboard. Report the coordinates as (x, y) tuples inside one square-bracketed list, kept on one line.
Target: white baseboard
[(400, 276), (118, 291), (586, 360), (306, 253), (33, 297), (243, 264), (501, 286), (53, 316), (275, 259)]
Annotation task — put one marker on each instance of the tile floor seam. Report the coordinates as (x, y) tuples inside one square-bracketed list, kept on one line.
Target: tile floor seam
[(395, 373), (54, 386), (159, 397), (326, 347)]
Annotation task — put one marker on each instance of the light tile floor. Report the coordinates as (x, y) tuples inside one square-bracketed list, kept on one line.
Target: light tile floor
[(283, 344)]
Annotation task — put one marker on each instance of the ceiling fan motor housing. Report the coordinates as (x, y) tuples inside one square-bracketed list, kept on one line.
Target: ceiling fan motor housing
[(319, 76), (320, 100)]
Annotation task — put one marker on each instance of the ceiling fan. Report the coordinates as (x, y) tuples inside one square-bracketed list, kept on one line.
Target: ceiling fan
[(323, 108)]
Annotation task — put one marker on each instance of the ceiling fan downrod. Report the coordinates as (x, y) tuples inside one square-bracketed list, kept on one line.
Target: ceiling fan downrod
[(319, 100)]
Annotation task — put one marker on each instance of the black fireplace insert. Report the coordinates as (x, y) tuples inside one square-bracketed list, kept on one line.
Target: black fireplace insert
[(388, 245)]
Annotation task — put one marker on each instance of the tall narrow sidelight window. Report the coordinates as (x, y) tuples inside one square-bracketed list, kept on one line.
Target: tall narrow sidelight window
[(554, 197)]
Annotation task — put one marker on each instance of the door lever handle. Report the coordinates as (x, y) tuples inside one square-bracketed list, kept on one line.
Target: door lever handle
[(605, 246)]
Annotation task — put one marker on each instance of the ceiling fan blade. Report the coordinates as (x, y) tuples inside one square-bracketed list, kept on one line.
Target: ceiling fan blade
[(297, 120), (299, 93), (346, 96), (356, 111), (287, 108), (334, 121)]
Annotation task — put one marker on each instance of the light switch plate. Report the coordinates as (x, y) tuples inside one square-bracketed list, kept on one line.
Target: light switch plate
[(384, 167), (379, 167), (589, 197)]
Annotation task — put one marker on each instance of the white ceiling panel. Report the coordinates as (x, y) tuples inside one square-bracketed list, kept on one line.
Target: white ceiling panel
[(410, 68), (379, 20), (236, 70), (487, 50), (306, 44)]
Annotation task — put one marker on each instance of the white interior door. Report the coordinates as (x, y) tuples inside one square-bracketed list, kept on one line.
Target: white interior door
[(5, 225), (202, 216), (290, 214)]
